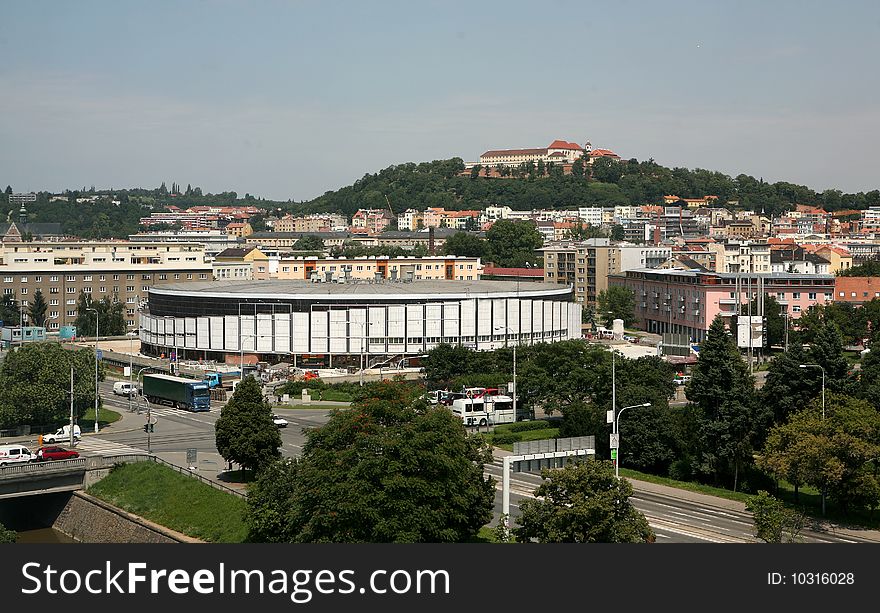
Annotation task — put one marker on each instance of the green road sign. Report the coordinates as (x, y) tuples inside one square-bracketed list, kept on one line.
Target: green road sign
[(614, 454)]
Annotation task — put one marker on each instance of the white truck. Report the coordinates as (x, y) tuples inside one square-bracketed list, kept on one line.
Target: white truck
[(484, 410)]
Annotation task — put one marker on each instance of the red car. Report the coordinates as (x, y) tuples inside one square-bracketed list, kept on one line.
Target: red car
[(55, 453)]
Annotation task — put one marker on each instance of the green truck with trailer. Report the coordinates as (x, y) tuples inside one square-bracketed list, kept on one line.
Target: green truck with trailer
[(180, 392)]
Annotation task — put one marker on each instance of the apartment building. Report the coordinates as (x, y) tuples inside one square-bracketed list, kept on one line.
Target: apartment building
[(121, 270), (241, 263), (587, 264), (311, 223), (371, 268), (686, 302)]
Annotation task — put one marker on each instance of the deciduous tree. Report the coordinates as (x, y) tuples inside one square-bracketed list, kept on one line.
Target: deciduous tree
[(389, 469), (245, 433), (582, 503)]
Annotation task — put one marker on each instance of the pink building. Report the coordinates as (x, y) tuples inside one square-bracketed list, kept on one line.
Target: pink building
[(686, 301)]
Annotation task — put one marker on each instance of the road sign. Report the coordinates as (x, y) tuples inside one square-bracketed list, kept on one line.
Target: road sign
[(614, 454), (99, 354), (609, 416), (615, 441)]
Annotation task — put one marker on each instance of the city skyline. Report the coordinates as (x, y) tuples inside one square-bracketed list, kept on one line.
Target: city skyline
[(289, 100)]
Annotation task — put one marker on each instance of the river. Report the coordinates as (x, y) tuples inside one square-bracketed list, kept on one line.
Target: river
[(43, 535)]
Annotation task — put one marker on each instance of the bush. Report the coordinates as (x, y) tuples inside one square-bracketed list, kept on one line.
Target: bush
[(506, 438), (524, 426)]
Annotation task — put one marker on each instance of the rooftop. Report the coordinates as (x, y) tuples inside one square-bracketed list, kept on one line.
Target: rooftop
[(279, 289)]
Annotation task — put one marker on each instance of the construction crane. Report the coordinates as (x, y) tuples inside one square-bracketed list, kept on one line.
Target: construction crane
[(389, 205)]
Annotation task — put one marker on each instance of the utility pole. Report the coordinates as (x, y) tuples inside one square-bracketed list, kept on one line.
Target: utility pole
[(71, 408)]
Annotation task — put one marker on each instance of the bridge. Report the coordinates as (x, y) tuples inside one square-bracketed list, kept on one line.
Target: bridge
[(32, 479)]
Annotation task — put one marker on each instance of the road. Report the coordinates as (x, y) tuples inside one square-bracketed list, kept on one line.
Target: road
[(675, 516)]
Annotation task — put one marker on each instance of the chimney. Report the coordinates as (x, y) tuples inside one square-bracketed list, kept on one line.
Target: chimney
[(657, 235), (431, 240)]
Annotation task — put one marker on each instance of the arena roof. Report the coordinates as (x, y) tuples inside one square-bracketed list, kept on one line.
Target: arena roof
[(279, 289)]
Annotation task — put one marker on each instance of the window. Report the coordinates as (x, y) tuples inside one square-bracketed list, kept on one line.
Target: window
[(71, 301), (163, 277), (87, 278), (796, 308), (102, 278), (145, 277), (146, 288), (24, 279), (7, 279), (53, 279), (71, 290), (87, 290), (795, 295), (177, 275), (842, 294), (53, 302), (780, 295), (71, 313), (129, 288), (129, 277), (71, 277), (38, 279), (130, 300), (853, 295), (812, 295), (116, 277), (189, 275), (203, 275), (24, 291), (53, 313)]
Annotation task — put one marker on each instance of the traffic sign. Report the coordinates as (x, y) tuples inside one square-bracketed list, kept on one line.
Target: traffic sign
[(614, 454), (609, 416), (615, 441), (99, 354)]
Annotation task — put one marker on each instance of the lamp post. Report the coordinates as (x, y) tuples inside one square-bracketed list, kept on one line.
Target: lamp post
[(823, 413), (96, 364), (617, 430), (515, 391)]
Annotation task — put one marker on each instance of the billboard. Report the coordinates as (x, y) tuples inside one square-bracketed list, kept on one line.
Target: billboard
[(744, 331)]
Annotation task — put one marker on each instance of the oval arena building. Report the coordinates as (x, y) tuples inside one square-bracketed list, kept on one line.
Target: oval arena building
[(336, 323)]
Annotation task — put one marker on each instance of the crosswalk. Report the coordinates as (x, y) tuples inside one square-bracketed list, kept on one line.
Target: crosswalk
[(101, 446)]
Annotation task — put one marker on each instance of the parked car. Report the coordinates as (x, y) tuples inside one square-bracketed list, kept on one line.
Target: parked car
[(682, 379), (54, 453), (14, 454), (279, 421)]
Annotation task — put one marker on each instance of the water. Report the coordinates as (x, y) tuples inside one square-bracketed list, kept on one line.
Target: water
[(43, 535)]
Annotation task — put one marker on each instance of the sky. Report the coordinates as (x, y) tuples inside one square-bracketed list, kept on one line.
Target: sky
[(288, 100)]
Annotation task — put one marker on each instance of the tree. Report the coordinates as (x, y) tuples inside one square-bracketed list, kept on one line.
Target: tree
[(723, 389), (465, 244), (788, 387), (617, 232), (582, 503), (826, 350), (309, 243), (9, 313), (35, 384), (577, 168), (7, 536), (85, 319), (617, 302), (774, 522), (109, 320), (37, 309), (245, 433), (513, 243), (389, 469), (837, 453), (8, 189)]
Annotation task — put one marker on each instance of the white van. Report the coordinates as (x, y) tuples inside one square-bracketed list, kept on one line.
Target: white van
[(124, 388), (63, 434), (14, 454)]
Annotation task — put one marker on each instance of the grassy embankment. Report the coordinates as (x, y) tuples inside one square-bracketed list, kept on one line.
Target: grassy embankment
[(184, 504)]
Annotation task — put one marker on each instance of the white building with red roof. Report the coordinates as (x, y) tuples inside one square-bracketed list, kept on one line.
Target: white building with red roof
[(558, 152)]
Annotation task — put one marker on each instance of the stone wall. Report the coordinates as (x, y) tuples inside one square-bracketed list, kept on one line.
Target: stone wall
[(90, 520)]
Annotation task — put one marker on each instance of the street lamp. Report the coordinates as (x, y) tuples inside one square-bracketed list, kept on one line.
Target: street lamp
[(96, 365), (617, 431), (515, 391), (823, 414)]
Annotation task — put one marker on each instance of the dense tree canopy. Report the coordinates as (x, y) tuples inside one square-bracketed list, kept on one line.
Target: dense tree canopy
[(582, 503), (108, 321), (389, 469), (617, 302), (35, 384)]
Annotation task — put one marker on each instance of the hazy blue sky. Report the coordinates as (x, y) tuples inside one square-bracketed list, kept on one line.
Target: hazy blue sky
[(291, 99)]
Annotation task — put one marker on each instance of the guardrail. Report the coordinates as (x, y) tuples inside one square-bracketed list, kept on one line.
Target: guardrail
[(101, 462), (42, 467), (190, 473)]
